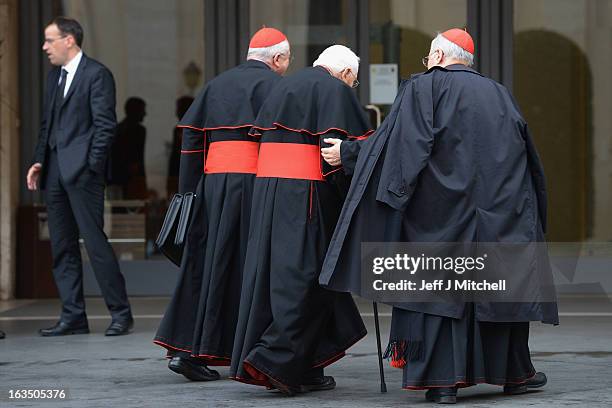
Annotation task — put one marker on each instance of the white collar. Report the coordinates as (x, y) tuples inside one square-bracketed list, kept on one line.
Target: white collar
[(72, 66)]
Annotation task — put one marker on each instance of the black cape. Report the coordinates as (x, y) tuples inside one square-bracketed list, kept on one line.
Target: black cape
[(200, 320), (433, 172), (221, 104), (289, 328), (230, 101), (314, 102)]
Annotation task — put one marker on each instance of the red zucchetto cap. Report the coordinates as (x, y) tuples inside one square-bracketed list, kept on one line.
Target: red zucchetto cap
[(267, 37), (461, 38)]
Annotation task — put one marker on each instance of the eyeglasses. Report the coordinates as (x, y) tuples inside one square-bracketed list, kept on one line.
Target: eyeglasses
[(425, 60), (52, 40), (355, 82)]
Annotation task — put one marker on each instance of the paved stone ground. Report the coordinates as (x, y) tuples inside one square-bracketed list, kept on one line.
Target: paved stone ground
[(130, 371)]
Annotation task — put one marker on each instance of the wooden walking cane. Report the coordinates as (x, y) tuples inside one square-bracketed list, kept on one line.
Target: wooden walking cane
[(383, 386)]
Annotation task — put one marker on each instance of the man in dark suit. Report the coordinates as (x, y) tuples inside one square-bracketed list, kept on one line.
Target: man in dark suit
[(76, 132)]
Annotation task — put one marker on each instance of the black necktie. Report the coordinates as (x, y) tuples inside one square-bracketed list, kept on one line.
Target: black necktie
[(59, 99), (62, 84)]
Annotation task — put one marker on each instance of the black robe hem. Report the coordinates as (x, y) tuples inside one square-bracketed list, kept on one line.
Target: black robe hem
[(251, 381), (261, 369), (208, 358), (462, 382)]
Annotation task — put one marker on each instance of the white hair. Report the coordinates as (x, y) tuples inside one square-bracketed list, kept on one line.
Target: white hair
[(266, 54), (338, 58), (451, 50)]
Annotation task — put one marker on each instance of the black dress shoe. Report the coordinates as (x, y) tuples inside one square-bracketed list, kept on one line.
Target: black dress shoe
[(443, 395), (537, 381), (64, 329), (192, 371), (2, 335), (119, 328), (323, 383)]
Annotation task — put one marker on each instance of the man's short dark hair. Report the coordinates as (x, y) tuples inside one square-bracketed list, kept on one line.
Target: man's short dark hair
[(69, 26)]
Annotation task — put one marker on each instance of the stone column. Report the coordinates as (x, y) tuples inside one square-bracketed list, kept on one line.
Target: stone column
[(9, 145)]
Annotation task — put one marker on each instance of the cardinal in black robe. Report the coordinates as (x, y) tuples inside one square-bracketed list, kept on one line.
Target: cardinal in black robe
[(289, 328), (453, 162), (218, 163)]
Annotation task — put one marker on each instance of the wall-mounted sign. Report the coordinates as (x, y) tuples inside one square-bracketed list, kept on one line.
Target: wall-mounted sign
[(383, 83)]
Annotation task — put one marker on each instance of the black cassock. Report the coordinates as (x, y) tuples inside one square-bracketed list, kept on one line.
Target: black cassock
[(289, 328), (452, 162), (218, 162)]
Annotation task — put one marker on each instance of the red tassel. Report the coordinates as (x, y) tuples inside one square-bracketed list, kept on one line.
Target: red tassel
[(401, 363), (398, 352)]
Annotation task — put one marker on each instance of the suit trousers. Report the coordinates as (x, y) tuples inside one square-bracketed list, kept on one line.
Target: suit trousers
[(78, 210)]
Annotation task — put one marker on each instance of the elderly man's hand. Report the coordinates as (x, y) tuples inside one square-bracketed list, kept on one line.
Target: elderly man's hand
[(332, 154)]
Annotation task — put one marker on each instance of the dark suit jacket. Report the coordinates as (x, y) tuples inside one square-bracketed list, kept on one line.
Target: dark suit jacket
[(87, 121)]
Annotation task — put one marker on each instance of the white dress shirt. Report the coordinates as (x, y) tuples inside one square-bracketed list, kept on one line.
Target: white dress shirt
[(71, 68)]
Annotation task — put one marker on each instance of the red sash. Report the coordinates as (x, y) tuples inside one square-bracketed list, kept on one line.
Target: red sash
[(232, 156), (289, 160)]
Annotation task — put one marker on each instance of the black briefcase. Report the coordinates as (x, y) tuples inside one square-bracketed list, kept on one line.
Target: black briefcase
[(171, 238)]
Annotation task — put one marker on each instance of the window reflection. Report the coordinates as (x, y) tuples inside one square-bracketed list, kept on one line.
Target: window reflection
[(401, 30), (156, 54), (310, 25), (562, 83)]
